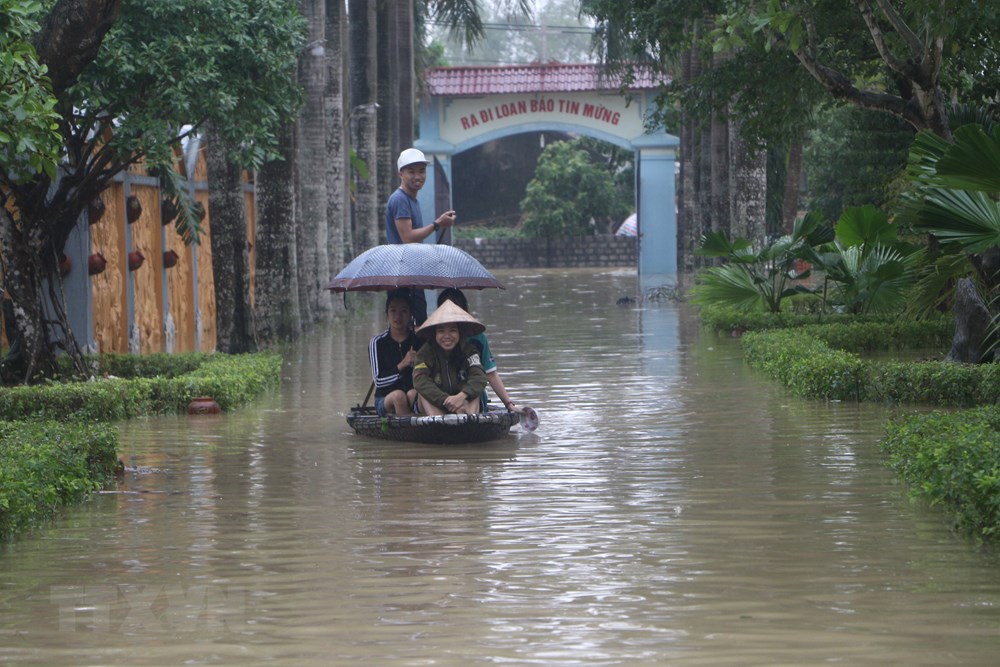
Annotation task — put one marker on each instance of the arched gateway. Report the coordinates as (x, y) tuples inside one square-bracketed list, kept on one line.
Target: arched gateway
[(468, 106)]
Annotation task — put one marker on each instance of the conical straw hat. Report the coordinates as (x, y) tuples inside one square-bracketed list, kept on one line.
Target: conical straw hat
[(449, 313)]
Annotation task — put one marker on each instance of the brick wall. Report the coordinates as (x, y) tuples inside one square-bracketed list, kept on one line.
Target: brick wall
[(581, 251)]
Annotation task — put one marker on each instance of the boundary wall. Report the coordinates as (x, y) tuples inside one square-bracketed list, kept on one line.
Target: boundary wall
[(603, 250)]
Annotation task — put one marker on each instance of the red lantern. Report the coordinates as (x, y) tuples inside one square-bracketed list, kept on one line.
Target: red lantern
[(135, 260), (168, 211), (96, 264), (133, 208), (170, 259), (95, 210)]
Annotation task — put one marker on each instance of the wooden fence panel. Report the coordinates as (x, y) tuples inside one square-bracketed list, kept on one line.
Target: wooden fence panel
[(180, 292), (108, 289), (148, 278)]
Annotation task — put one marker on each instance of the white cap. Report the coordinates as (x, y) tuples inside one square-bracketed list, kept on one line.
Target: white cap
[(410, 156)]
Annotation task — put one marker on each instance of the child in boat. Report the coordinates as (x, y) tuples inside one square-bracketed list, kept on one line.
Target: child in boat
[(392, 354), (448, 373), (479, 340)]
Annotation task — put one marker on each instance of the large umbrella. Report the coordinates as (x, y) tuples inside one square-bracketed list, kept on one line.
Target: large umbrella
[(419, 265)]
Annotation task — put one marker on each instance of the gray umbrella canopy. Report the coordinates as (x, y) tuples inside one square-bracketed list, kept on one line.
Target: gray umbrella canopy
[(419, 265)]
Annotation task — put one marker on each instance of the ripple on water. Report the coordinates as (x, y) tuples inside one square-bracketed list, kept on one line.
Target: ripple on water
[(673, 507)]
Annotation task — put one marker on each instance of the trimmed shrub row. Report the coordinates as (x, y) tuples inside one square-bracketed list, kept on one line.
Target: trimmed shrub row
[(953, 461), (44, 465), (810, 367), (230, 379), (735, 320)]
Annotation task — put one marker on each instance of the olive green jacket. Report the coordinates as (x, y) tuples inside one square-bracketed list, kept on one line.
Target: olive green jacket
[(438, 374)]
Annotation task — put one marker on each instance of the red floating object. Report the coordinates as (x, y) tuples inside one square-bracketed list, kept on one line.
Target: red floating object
[(204, 405)]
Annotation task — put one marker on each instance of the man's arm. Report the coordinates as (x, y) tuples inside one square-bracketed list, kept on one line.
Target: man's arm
[(408, 234)]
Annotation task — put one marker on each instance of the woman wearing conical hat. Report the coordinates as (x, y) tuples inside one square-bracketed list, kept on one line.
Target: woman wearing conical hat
[(448, 374)]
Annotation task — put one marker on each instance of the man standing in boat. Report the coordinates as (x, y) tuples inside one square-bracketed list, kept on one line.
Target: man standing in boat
[(403, 220)]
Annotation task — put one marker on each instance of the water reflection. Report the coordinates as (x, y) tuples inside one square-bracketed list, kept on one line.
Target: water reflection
[(672, 507)]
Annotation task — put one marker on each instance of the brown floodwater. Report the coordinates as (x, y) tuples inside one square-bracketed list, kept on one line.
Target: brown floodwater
[(674, 507)]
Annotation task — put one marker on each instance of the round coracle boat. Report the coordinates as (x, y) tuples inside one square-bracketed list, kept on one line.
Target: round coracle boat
[(493, 424)]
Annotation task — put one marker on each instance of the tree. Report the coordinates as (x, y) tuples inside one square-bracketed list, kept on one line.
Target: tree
[(569, 191), (128, 89), (855, 157), (28, 135)]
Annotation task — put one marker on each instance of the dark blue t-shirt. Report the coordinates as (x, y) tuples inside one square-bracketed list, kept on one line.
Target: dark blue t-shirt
[(401, 205)]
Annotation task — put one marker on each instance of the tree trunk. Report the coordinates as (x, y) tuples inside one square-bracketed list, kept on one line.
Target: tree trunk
[(277, 295), (688, 231), (719, 171), (314, 265), (747, 190), (70, 37), (387, 93), (405, 76), (972, 324), (793, 179), (30, 356), (364, 123), (396, 96), (337, 148), (230, 255)]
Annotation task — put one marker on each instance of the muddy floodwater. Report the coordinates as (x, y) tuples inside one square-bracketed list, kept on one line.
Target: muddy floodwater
[(673, 508)]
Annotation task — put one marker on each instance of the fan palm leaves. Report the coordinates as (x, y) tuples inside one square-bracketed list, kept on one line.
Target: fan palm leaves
[(955, 187), (871, 270), (865, 268), (759, 279), (954, 197)]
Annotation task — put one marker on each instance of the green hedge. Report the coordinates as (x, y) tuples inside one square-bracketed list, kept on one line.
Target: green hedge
[(148, 365), (872, 335), (840, 330), (728, 319), (44, 465), (810, 362), (804, 363), (952, 460), (231, 380)]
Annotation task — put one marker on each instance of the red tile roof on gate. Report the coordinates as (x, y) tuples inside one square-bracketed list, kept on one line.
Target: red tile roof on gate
[(549, 78)]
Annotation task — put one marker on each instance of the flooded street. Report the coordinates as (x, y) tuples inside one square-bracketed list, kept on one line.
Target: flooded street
[(674, 507)]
